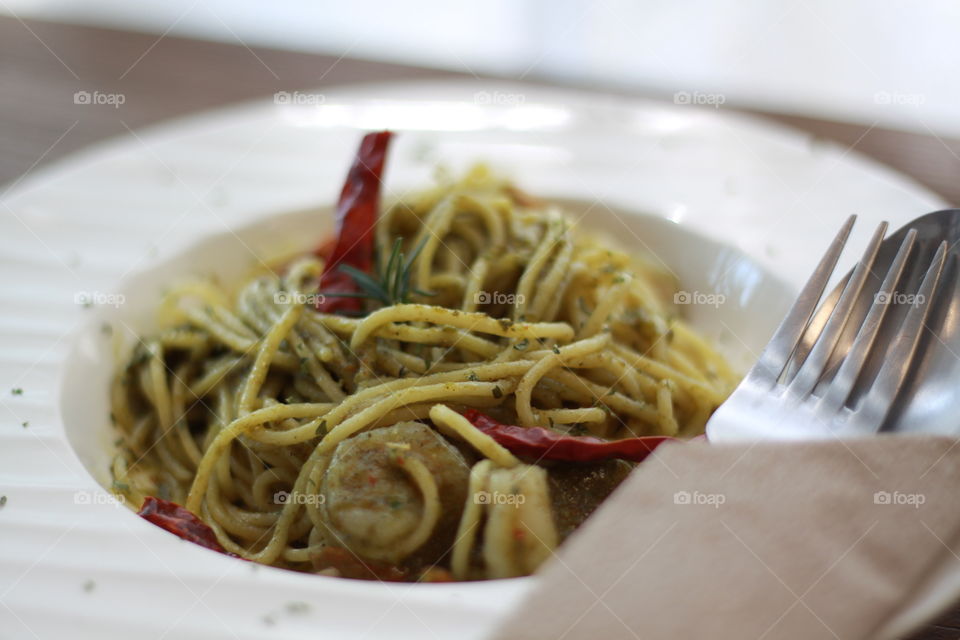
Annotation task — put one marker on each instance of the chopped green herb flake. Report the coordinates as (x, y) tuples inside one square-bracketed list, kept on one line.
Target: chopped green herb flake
[(497, 392), (298, 607), (17, 391), (322, 429)]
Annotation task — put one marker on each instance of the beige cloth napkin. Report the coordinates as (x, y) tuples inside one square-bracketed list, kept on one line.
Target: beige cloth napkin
[(770, 540)]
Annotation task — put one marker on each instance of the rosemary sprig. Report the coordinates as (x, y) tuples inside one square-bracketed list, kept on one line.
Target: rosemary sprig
[(389, 284)]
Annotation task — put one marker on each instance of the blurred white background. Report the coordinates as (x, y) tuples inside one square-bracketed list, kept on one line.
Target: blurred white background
[(891, 63)]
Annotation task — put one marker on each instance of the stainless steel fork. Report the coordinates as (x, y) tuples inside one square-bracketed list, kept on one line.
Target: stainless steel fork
[(791, 393)]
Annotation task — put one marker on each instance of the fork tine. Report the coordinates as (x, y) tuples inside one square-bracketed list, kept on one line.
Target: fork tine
[(842, 383), (875, 406), (812, 368), (776, 354)]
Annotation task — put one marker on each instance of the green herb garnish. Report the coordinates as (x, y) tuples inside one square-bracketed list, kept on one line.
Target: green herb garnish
[(389, 284)]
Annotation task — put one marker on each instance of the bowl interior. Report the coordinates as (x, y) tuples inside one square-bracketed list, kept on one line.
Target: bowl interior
[(724, 293)]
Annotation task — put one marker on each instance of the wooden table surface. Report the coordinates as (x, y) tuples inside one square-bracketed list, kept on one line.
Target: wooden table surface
[(43, 64)]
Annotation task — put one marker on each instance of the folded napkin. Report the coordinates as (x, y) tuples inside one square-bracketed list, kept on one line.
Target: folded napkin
[(768, 540)]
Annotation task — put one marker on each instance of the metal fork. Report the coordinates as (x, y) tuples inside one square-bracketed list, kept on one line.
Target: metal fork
[(790, 394)]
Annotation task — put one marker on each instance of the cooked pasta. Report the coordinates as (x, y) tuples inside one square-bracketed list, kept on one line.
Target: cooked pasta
[(292, 432)]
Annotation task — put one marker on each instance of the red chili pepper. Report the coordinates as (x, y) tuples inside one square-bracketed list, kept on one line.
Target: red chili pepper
[(180, 522), (544, 444), (356, 219)]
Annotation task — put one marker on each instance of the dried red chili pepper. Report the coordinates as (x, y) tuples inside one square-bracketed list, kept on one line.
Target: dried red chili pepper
[(544, 444), (180, 522), (356, 219)]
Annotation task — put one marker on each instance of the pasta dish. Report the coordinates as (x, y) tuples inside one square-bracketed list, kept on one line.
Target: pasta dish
[(444, 390)]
